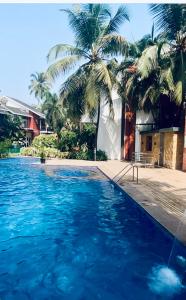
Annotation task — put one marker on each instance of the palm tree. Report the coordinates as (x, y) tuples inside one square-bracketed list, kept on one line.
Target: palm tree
[(96, 42), (151, 78), (39, 85), (139, 67), (171, 18), (54, 112)]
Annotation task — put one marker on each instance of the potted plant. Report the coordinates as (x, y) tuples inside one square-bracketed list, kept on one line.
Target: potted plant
[(42, 157)]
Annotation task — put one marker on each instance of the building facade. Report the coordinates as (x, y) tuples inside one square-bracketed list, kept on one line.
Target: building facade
[(33, 121)]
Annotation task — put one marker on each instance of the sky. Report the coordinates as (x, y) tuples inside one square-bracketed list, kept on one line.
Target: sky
[(28, 31)]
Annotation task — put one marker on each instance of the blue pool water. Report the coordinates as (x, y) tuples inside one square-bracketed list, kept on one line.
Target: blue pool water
[(68, 233)]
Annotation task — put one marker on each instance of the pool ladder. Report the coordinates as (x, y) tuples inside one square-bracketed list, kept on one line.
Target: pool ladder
[(127, 169)]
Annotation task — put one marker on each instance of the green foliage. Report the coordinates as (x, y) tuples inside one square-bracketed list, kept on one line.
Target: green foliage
[(97, 40), (88, 135), (44, 152), (45, 140), (88, 155), (54, 111), (101, 155), (4, 148), (169, 18), (29, 151), (63, 155), (10, 127), (39, 85), (81, 155), (68, 140)]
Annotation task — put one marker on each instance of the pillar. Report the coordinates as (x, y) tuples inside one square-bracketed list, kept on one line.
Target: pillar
[(184, 145)]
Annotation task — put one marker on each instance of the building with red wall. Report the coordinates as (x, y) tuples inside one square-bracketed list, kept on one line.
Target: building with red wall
[(33, 121)]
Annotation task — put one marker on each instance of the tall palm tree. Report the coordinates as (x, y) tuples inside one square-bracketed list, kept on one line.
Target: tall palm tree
[(54, 112), (140, 68), (171, 19), (96, 42), (151, 78), (39, 85)]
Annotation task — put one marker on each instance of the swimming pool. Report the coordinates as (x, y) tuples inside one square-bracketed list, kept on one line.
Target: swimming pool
[(68, 233)]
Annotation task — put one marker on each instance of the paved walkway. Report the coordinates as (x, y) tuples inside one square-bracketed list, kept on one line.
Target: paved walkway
[(161, 192)]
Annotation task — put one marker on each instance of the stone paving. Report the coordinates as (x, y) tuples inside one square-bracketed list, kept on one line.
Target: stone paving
[(161, 192)]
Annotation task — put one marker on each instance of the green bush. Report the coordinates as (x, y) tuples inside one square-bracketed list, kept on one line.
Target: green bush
[(84, 155), (45, 140), (68, 140), (101, 155), (45, 152), (4, 148), (29, 151), (87, 136), (88, 155), (63, 155), (51, 152)]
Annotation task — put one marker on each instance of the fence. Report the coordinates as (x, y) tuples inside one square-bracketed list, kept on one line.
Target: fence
[(12, 150)]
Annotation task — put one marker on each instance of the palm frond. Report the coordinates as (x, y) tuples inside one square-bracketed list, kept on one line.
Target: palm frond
[(167, 80), (168, 17), (62, 66), (113, 44), (178, 92), (92, 95), (102, 76), (73, 82), (86, 26), (120, 17), (147, 62), (151, 94), (65, 49)]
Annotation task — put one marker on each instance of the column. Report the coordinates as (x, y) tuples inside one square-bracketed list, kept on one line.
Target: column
[(184, 145)]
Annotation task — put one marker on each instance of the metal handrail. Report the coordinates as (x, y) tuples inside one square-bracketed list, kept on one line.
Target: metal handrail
[(143, 158), (121, 171), (131, 166), (124, 173)]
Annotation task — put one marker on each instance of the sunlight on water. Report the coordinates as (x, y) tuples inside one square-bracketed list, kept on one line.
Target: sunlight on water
[(164, 281)]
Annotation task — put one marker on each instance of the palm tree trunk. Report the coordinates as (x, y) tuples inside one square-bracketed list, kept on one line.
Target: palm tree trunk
[(97, 126)]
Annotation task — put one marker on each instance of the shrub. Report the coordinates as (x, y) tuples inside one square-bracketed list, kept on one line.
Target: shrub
[(29, 151), (87, 136), (51, 152), (63, 155), (45, 140), (101, 155), (88, 155), (4, 148), (45, 151), (68, 140), (85, 155)]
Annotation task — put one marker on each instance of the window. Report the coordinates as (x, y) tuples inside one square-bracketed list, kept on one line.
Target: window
[(24, 122), (149, 143)]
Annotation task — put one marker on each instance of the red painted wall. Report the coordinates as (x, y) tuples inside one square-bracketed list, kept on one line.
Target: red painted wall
[(129, 133), (34, 124)]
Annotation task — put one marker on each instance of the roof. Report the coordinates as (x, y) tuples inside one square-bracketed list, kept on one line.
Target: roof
[(17, 111), (32, 109), (13, 110)]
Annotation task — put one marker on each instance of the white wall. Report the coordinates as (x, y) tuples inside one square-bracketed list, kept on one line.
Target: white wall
[(109, 132)]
